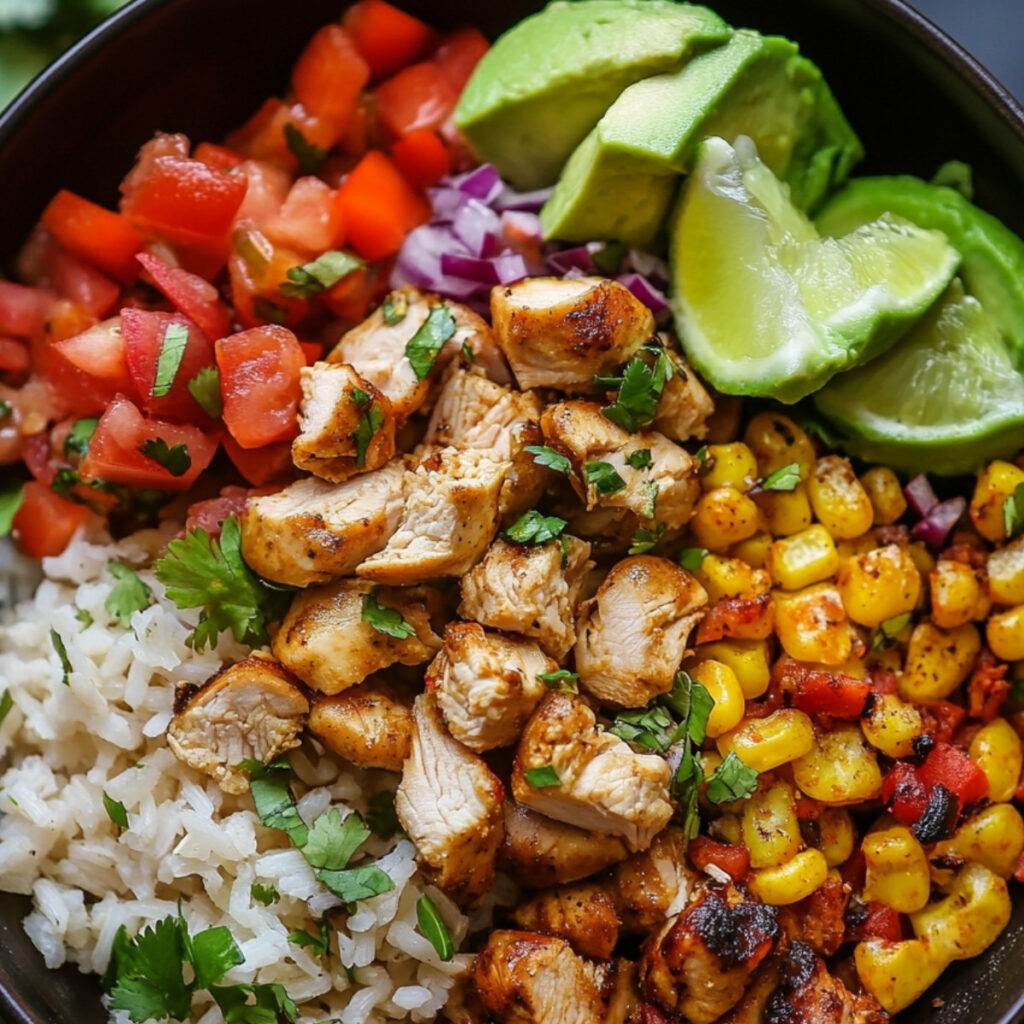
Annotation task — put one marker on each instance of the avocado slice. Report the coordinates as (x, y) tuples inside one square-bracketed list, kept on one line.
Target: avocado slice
[(543, 84), (620, 180)]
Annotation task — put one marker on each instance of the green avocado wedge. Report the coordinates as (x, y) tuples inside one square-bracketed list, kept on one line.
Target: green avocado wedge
[(620, 181), (545, 83)]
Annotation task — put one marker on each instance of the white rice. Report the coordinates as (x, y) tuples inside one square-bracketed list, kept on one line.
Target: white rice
[(63, 746)]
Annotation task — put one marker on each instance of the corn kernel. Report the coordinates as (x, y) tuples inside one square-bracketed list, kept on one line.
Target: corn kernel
[(1006, 573), (938, 661), (897, 973), (811, 624), (721, 682), (790, 882), (897, 869), (854, 546), (879, 585), (771, 831), (956, 594), (765, 743), (891, 726), (723, 517), (882, 487), (996, 483), (747, 658), (729, 465), (839, 501), (777, 441), (727, 828), (839, 768), (753, 550), (1005, 634), (996, 750), (804, 558), (785, 512), (993, 837), (731, 577), (837, 835)]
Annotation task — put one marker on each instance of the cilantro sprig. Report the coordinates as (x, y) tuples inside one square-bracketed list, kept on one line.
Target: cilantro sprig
[(172, 351), (309, 155), (423, 347), (385, 620), (535, 528), (731, 780), (549, 458), (128, 595), (370, 421), (324, 272), (174, 458), (603, 477), (784, 479), (433, 927), (639, 388)]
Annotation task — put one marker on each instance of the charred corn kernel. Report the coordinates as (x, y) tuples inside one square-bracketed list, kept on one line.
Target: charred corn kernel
[(1005, 634), (897, 869), (804, 558), (747, 658), (790, 882), (777, 441), (994, 837), (765, 743), (753, 550), (996, 750), (856, 545), (729, 465), (937, 661), (921, 557), (891, 725), (839, 768), (969, 919), (1006, 573), (727, 828), (811, 624), (883, 489), (731, 577), (771, 831), (956, 594), (996, 483), (721, 682), (879, 585), (723, 517), (839, 501), (897, 973), (837, 835), (785, 512)]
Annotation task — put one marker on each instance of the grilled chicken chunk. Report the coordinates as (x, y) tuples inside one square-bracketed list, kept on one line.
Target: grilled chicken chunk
[(632, 634), (647, 886), (254, 709), (699, 964), (685, 406), (449, 516), (325, 640), (527, 978), (582, 914), (818, 920), (602, 783), (531, 589), (559, 332), (369, 725), (313, 531), (346, 425), (450, 804), (486, 684), (644, 472), (538, 851)]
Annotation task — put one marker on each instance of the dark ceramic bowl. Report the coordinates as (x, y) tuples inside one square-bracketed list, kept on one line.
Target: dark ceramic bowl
[(203, 66)]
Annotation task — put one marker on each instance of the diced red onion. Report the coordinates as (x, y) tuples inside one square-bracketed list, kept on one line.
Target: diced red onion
[(509, 199), (472, 268), (647, 265), (510, 267), (580, 258), (477, 227), (445, 202), (920, 495), (483, 183), (641, 287), (940, 520)]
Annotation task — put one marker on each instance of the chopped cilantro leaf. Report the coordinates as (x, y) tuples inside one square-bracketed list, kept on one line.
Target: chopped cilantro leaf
[(562, 681), (115, 811), (543, 777), (380, 814), (602, 477), (264, 894), (467, 352), (320, 944), (641, 386), (691, 559), (534, 528), (651, 491), (172, 351), (353, 884), (886, 632), (650, 727), (1013, 512), (644, 540), (62, 652), (310, 156), (331, 842), (213, 953), (176, 460), (269, 311), (423, 347), (640, 459), (784, 479), (10, 501), (385, 620), (731, 780), (324, 272), (701, 455), (204, 387), (128, 595), (549, 458), (369, 423), (147, 978), (272, 795), (84, 616), (77, 442), (396, 305), (432, 925), (6, 703)]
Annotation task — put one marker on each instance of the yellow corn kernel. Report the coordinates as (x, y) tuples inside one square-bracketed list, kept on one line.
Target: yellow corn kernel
[(753, 550), (721, 682), (857, 545), (811, 624), (765, 743), (727, 828), (839, 501), (969, 919), (891, 725), (995, 484), (771, 831), (996, 750), (897, 973), (785, 512), (747, 658), (1005, 634), (837, 835), (879, 585), (882, 487), (790, 882), (937, 661), (729, 465), (839, 768), (731, 577), (723, 517), (994, 837), (777, 441), (897, 869), (956, 594), (804, 558), (1006, 573)]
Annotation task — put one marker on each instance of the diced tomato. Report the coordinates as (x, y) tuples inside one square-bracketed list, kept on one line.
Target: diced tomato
[(80, 282), (312, 350), (746, 618), (329, 75), (883, 681), (191, 294), (387, 37), (417, 97), (873, 921), (209, 514), (459, 54), (37, 452), (265, 135), (99, 353), (271, 464), (45, 522), (829, 693), (115, 449), (267, 186), (99, 236), (379, 207), (309, 219), (259, 380), (950, 766), (256, 271), (24, 309), (943, 718), (422, 157), (14, 355), (221, 157), (731, 858), (350, 299), (904, 793)]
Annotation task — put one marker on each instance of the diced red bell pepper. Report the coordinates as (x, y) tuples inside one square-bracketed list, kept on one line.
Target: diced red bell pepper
[(988, 687), (422, 157), (329, 75), (192, 295), (829, 693), (45, 522), (951, 766), (904, 793), (731, 858), (874, 921), (745, 618), (418, 97), (387, 37)]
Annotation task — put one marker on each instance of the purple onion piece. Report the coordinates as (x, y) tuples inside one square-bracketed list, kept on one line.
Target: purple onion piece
[(651, 297), (483, 183), (510, 267), (940, 520), (476, 226), (920, 495), (446, 202), (509, 199), (647, 265), (580, 258), (472, 268)]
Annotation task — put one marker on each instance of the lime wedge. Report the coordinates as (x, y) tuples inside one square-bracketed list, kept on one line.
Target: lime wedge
[(764, 305), (945, 400)]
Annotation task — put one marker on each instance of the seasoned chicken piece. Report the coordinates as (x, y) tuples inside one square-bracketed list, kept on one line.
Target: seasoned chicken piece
[(450, 804), (328, 638), (644, 472), (559, 332), (346, 424), (254, 709), (531, 589), (538, 851), (819, 919), (313, 531), (648, 885), (449, 516), (369, 725), (632, 634), (527, 978), (685, 405), (602, 784), (700, 962), (486, 684), (582, 914)]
